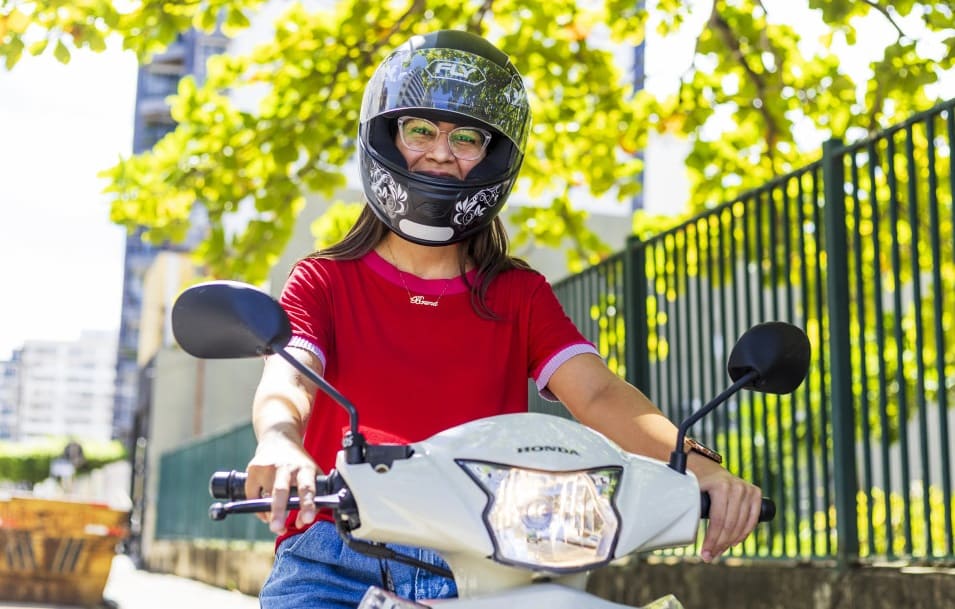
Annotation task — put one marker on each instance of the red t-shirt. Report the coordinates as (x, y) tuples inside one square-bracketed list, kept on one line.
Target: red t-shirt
[(412, 370)]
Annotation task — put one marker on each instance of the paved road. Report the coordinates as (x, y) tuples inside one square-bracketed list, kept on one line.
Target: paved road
[(131, 588)]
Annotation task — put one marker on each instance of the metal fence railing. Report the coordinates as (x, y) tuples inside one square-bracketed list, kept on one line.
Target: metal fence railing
[(858, 249), (183, 498), (897, 321)]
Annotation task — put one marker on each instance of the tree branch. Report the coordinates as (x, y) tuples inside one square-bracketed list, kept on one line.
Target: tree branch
[(879, 96), (719, 24), (474, 23), (887, 15)]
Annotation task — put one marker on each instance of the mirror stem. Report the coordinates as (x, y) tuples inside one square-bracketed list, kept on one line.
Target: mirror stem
[(678, 457), (354, 442)]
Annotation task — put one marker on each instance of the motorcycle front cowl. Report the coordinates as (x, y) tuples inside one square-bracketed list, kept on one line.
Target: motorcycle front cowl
[(551, 596), (491, 550)]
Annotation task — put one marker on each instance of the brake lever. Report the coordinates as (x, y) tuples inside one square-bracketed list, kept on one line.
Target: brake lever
[(219, 510)]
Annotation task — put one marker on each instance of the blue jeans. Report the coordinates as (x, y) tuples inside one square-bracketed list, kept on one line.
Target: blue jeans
[(316, 570)]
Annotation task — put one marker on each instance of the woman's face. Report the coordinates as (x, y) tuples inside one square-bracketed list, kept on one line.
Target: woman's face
[(438, 161)]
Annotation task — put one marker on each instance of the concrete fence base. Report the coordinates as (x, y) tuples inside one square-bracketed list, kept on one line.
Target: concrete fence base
[(241, 566), (776, 585)]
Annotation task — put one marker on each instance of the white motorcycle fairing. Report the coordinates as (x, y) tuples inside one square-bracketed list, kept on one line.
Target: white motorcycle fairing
[(551, 596), (429, 500)]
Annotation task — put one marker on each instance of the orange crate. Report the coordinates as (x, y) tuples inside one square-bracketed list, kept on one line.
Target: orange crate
[(54, 551)]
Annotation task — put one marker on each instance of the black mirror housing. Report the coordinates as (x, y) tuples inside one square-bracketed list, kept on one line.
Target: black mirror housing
[(229, 319), (779, 352)]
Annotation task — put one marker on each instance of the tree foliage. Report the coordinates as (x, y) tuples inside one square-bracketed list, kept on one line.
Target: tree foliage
[(756, 99)]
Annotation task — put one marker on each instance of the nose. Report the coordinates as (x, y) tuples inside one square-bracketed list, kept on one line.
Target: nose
[(441, 151)]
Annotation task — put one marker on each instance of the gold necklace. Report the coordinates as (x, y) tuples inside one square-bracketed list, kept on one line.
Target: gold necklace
[(412, 298)]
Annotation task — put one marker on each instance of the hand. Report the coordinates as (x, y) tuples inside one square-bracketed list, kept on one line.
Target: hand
[(734, 509), (279, 464)]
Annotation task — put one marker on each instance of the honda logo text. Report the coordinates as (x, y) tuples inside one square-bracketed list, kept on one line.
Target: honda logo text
[(548, 449)]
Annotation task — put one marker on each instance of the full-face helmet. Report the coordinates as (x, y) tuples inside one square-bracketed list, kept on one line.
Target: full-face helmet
[(451, 76)]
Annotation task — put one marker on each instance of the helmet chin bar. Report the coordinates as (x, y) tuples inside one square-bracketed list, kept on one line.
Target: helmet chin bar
[(423, 232), (428, 210)]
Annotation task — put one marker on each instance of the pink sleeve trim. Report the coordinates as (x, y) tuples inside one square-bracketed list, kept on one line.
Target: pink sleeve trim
[(555, 362), (303, 343)]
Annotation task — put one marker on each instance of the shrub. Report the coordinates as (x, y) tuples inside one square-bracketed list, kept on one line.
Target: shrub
[(29, 462)]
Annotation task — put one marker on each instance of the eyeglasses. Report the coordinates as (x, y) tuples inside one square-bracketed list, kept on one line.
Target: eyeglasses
[(421, 135)]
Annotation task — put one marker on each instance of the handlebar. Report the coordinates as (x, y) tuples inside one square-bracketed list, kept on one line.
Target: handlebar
[(231, 486), (767, 510)]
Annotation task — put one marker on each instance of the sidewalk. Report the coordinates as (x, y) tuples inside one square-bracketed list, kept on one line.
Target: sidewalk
[(132, 588)]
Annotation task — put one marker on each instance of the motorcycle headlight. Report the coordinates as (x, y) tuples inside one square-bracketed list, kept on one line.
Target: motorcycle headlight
[(561, 521)]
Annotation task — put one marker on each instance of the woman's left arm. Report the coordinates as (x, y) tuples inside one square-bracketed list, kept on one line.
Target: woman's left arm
[(605, 402)]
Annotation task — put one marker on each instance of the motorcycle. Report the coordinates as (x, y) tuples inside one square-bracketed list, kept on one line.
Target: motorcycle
[(521, 506)]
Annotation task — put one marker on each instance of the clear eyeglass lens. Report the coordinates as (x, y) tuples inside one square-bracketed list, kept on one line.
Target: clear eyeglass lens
[(421, 135)]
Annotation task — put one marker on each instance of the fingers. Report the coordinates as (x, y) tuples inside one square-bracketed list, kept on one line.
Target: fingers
[(258, 484), (303, 478), (281, 489), (712, 541), (305, 481), (734, 513), (276, 482)]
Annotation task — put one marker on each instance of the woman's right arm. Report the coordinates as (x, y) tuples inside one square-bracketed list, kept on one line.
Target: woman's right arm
[(280, 411)]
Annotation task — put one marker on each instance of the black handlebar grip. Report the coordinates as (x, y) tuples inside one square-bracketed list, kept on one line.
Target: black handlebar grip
[(231, 485), (767, 511), (228, 485)]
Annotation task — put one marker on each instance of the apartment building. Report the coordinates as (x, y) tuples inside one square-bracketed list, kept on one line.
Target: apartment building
[(156, 81), (63, 388), (9, 396)]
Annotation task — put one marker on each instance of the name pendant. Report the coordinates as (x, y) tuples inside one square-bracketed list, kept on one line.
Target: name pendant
[(420, 300)]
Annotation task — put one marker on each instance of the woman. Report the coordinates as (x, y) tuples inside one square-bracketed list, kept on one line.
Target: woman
[(422, 319)]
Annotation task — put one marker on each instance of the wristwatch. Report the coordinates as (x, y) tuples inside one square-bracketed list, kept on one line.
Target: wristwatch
[(692, 446)]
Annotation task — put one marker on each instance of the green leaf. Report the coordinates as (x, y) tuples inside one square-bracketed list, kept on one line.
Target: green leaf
[(206, 20), (235, 22), (61, 53), (39, 46), (95, 41), (11, 51)]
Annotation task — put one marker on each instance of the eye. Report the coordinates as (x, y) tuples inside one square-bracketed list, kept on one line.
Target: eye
[(470, 137), (419, 128)]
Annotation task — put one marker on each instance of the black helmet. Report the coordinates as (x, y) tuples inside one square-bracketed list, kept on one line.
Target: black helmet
[(448, 76)]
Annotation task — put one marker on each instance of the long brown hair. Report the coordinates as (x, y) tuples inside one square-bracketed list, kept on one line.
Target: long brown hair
[(487, 249)]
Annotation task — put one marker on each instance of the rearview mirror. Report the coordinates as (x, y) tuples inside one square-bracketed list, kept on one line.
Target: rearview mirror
[(771, 357), (229, 319), (777, 351)]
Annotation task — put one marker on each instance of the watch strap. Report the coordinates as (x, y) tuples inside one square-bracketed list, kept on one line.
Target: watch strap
[(691, 445)]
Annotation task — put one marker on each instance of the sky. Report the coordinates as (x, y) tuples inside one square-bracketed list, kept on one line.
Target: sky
[(61, 259)]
